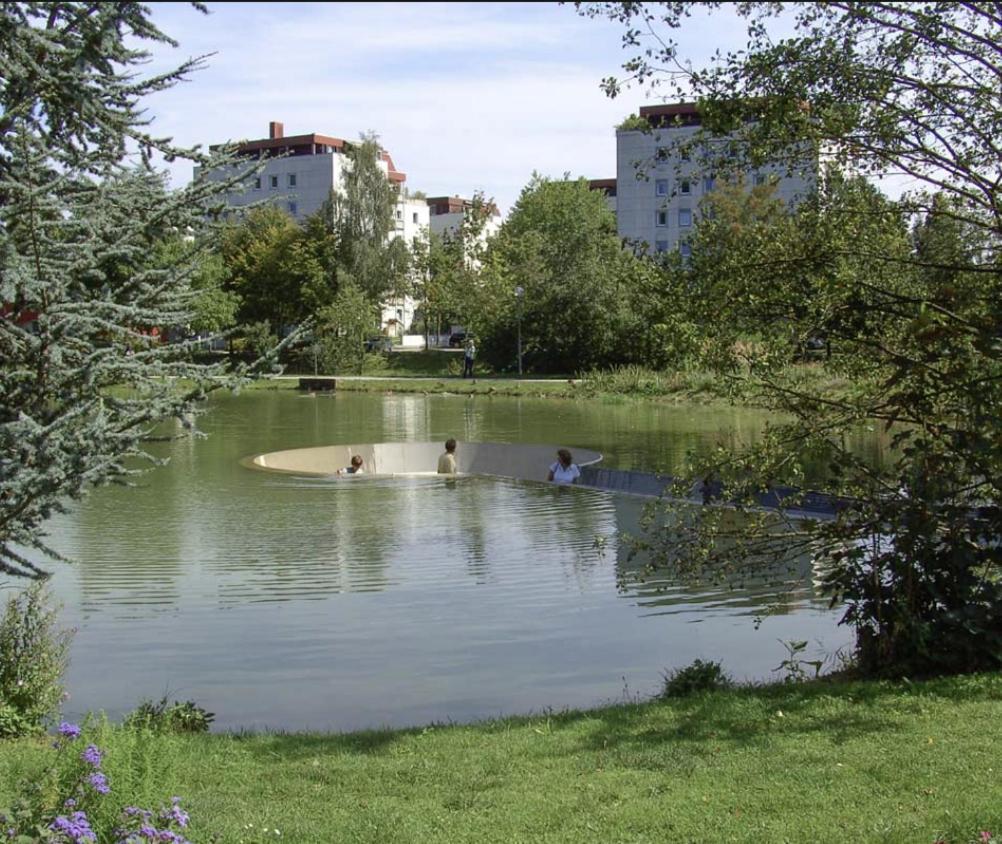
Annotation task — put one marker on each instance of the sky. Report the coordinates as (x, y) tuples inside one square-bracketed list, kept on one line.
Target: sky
[(464, 96)]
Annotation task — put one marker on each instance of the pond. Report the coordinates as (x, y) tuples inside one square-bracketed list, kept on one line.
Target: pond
[(301, 603)]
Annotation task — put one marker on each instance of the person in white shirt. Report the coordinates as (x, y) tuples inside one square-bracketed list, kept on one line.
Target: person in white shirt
[(447, 461), (565, 470)]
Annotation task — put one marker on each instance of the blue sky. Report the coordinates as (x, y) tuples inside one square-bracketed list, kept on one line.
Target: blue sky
[(465, 96)]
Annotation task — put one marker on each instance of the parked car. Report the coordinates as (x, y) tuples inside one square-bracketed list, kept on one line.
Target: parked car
[(379, 344), (456, 340)]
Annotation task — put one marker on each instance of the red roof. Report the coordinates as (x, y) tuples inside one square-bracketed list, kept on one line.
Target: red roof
[(311, 141), (680, 109)]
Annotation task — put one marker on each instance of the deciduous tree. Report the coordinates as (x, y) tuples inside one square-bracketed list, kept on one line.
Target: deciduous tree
[(560, 245), (913, 554)]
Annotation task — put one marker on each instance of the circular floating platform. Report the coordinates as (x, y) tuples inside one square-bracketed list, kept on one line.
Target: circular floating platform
[(508, 460)]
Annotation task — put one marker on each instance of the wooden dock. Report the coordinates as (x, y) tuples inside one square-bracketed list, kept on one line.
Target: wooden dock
[(318, 385)]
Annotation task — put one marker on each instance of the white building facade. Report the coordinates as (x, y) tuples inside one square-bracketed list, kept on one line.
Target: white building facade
[(660, 182), (448, 213), (410, 222), (298, 175)]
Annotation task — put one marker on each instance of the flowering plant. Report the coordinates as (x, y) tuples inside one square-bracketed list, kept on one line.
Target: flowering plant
[(68, 804)]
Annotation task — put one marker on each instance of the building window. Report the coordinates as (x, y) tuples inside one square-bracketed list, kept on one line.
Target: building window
[(292, 180), (257, 183), (684, 153), (661, 154), (414, 215), (685, 250), (274, 181), (662, 218), (661, 246), (709, 183), (400, 214), (293, 209), (759, 179), (684, 187), (684, 217), (661, 187)]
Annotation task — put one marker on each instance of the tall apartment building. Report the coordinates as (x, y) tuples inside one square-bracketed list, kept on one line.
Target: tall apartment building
[(658, 204), (299, 173)]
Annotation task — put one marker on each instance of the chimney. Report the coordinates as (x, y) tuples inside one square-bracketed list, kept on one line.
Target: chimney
[(276, 130)]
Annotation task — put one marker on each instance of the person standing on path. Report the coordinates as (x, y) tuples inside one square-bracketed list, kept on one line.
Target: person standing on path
[(468, 355), (447, 461)]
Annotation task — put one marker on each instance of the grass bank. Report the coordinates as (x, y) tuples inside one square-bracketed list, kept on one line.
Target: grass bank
[(438, 373), (820, 762)]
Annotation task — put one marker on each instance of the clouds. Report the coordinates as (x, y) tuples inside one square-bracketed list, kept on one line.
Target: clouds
[(465, 96)]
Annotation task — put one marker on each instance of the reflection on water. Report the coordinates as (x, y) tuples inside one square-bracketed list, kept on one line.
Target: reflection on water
[(302, 603)]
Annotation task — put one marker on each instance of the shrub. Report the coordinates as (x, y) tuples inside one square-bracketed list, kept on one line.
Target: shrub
[(696, 678), (32, 661), (164, 717), (633, 123)]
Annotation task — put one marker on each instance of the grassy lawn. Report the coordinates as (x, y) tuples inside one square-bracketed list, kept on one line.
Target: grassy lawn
[(428, 362), (810, 763)]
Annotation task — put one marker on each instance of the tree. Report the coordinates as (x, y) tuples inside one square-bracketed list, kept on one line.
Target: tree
[(359, 217), (81, 210), (914, 552), (449, 266), (213, 308), (268, 268), (785, 277), (341, 329), (560, 245)]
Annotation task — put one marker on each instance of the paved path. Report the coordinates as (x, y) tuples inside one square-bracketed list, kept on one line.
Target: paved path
[(458, 379)]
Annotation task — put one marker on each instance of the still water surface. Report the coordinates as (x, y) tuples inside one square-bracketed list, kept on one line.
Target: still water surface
[(294, 603)]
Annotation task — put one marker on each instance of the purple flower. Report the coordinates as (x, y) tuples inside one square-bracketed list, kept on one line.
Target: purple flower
[(75, 828), (92, 755), (170, 837), (70, 731), (69, 803), (99, 782), (175, 813)]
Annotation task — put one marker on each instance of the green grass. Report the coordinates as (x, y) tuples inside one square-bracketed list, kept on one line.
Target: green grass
[(464, 387), (437, 373), (428, 362), (820, 762)]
